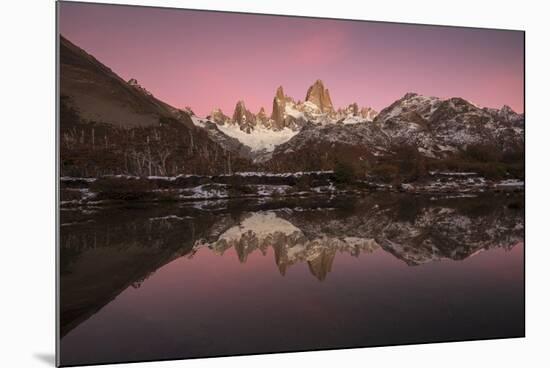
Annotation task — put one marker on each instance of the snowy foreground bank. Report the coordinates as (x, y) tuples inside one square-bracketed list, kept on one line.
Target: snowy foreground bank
[(109, 189)]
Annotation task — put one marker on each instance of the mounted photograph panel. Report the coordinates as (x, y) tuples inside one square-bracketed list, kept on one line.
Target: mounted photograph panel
[(236, 183)]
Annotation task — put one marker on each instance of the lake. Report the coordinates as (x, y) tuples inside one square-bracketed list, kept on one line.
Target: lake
[(199, 279)]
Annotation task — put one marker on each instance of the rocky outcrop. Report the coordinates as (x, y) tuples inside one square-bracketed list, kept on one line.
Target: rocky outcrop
[(505, 113), (368, 113), (218, 117), (353, 114), (134, 83)]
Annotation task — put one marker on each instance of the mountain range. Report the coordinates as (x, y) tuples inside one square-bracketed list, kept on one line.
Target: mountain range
[(122, 128), (287, 113)]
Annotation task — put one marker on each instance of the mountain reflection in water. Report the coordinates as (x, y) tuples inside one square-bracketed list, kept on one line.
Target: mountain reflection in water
[(108, 255), (260, 230)]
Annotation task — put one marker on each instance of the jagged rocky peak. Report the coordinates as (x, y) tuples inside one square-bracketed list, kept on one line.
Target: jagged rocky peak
[(279, 94), (409, 95), (134, 83), (445, 111), (278, 112), (507, 114), (244, 118), (414, 100), (352, 114), (319, 95), (261, 116), (506, 110), (411, 102), (218, 117)]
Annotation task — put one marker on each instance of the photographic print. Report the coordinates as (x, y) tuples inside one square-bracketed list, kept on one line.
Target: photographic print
[(234, 183)]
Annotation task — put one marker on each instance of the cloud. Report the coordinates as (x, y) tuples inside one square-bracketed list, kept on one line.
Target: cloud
[(319, 46)]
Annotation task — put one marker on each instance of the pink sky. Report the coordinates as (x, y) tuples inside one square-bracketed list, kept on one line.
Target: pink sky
[(209, 59)]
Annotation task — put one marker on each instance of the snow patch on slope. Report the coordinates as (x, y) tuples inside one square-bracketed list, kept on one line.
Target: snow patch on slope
[(198, 121), (290, 110), (353, 120), (261, 138)]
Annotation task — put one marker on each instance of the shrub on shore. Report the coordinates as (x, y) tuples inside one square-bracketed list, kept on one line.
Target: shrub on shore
[(344, 173), (485, 161), (385, 172), (122, 188)]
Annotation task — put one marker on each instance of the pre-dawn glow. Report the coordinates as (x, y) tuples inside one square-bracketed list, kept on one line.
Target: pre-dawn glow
[(206, 60)]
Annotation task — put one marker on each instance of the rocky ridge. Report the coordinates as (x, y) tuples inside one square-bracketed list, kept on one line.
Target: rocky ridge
[(436, 128)]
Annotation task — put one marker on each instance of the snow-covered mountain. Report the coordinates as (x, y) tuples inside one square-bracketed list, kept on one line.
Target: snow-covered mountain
[(317, 109), (437, 128), (262, 133), (308, 135)]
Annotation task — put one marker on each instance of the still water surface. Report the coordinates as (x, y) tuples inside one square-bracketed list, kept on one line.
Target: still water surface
[(222, 278)]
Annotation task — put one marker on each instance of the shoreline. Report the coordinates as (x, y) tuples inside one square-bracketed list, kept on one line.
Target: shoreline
[(119, 189)]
